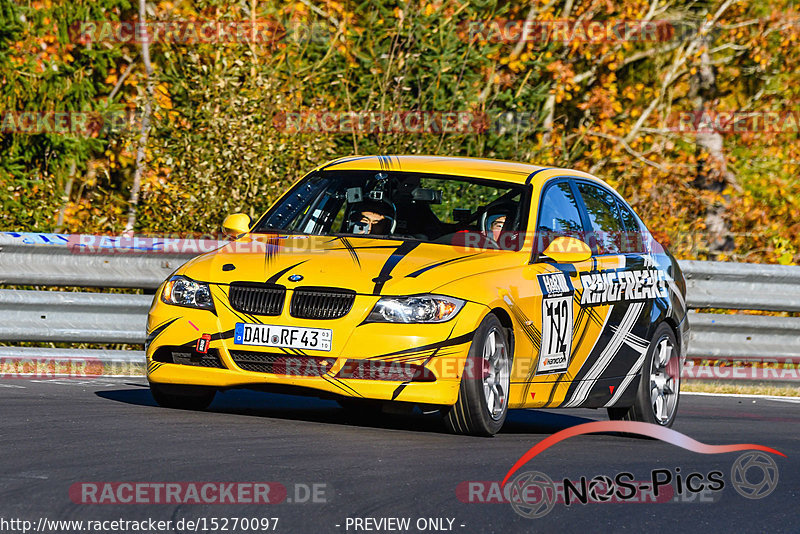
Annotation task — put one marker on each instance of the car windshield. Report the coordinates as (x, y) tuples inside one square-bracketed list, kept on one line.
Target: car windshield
[(406, 206)]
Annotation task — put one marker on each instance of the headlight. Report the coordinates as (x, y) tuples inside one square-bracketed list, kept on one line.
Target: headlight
[(416, 309), (182, 291)]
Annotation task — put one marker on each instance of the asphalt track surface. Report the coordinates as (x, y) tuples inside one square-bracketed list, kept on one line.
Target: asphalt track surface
[(55, 433)]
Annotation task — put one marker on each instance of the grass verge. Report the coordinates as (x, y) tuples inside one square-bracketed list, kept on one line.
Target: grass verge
[(749, 388)]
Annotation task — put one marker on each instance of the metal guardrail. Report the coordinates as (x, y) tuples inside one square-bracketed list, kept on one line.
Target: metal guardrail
[(744, 337), (764, 343), (59, 260), (59, 316), (93, 261), (742, 286)]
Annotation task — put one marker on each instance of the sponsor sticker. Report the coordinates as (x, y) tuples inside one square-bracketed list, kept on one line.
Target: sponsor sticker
[(557, 292), (606, 287)]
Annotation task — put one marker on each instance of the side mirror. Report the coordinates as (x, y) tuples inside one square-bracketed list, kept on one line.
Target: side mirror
[(568, 250), (236, 225)]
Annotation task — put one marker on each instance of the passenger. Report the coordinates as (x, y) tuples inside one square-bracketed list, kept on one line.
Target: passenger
[(495, 223), (495, 227)]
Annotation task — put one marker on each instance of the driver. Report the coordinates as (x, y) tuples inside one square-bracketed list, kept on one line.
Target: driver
[(372, 217)]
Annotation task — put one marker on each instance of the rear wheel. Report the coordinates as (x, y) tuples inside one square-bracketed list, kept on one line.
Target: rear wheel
[(660, 384), (182, 397), (483, 395)]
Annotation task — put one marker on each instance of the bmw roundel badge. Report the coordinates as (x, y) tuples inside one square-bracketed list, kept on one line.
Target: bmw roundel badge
[(295, 277)]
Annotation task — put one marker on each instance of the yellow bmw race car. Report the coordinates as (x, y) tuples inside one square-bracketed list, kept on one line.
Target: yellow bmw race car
[(465, 285)]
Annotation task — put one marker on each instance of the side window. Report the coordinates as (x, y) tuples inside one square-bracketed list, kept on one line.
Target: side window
[(632, 240), (558, 216), (607, 225)]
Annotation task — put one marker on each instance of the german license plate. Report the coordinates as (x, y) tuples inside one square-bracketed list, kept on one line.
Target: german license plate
[(290, 337)]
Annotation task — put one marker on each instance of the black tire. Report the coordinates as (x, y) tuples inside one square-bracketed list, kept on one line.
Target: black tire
[(654, 384), (471, 414), (182, 397)]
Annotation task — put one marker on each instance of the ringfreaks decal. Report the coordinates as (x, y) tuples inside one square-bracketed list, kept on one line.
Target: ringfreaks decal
[(614, 286)]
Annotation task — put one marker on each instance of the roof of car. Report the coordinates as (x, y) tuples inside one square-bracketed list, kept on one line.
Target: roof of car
[(507, 171)]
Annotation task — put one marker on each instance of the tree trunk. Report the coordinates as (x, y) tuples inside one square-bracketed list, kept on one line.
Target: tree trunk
[(67, 196), (145, 131), (712, 166)]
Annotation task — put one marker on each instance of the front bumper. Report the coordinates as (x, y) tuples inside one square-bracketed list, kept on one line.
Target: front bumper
[(436, 353)]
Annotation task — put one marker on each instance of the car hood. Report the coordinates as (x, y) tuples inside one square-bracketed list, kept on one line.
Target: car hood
[(366, 265)]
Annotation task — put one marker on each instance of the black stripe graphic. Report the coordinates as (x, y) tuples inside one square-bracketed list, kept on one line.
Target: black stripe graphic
[(534, 173), (365, 247), (399, 390), (223, 335), (343, 160), (530, 331), (272, 249), (583, 313), (341, 385), (390, 264), (402, 386), (157, 330), (439, 264), (463, 338), (351, 250), (274, 278), (224, 302), (424, 357), (227, 334)]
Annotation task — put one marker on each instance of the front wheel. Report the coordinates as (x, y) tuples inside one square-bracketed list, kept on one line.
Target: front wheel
[(182, 397), (660, 383), (482, 402)]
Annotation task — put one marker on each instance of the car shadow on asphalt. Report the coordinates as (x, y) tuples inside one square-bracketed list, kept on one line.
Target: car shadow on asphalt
[(540, 422), (313, 409), (290, 408)]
